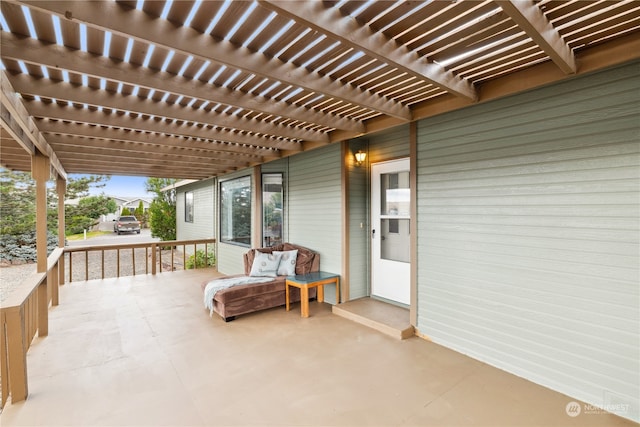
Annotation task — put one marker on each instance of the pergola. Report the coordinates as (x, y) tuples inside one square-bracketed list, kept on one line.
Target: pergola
[(195, 89)]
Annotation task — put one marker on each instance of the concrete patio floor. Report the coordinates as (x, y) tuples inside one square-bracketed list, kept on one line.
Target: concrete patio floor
[(142, 351)]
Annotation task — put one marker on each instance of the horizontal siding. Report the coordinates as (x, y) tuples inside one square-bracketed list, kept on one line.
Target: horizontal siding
[(230, 258), (359, 226), (528, 235), (315, 206), (389, 144), (203, 225)]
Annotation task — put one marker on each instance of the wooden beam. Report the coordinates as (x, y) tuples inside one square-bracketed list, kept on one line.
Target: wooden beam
[(158, 171), (175, 155), (599, 57), (148, 151), (143, 142), (532, 21), (46, 88), (11, 102), (136, 24), (60, 57), (331, 22), (161, 131), (13, 129)]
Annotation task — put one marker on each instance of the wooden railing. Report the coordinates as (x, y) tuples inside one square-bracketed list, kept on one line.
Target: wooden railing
[(26, 311), (139, 258), (23, 313)]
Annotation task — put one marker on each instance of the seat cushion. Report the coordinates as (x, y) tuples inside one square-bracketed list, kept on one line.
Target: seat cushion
[(245, 291)]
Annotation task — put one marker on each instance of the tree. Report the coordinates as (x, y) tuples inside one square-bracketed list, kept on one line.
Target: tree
[(18, 212), (125, 211), (18, 207), (140, 214), (162, 212), (86, 213)]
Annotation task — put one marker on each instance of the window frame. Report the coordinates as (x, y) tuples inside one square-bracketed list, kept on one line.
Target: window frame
[(188, 206), (229, 189), (266, 239)]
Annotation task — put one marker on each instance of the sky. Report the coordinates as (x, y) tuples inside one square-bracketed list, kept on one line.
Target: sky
[(122, 186)]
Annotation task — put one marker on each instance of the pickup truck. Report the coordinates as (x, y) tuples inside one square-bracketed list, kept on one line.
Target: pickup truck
[(126, 223)]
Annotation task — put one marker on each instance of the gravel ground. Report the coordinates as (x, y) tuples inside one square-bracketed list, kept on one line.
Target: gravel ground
[(12, 276)]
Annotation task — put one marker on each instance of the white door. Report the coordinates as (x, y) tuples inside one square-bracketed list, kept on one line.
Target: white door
[(390, 219)]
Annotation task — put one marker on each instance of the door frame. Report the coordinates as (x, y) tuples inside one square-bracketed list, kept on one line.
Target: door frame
[(398, 268)]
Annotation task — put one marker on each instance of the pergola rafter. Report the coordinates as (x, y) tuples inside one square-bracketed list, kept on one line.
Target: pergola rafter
[(248, 82)]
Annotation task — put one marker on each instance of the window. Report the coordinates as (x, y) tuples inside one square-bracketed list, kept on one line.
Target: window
[(272, 212), (188, 206), (235, 211)]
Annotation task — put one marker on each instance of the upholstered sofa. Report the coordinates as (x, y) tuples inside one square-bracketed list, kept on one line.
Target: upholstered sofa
[(248, 298)]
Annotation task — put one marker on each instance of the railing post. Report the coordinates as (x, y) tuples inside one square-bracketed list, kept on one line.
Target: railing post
[(52, 281), (153, 258), (17, 353), (4, 368), (43, 308), (61, 269), (70, 267)]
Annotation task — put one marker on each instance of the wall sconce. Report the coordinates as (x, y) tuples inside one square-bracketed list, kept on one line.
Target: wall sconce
[(360, 156)]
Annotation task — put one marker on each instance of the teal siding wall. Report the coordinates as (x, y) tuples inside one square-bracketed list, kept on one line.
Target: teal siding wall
[(359, 227), (389, 144), (315, 206), (528, 235), (204, 219)]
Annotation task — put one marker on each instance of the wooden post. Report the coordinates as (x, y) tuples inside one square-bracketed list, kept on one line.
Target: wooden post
[(43, 308), (4, 367), (53, 281), (17, 353), (41, 173), (153, 258), (61, 189)]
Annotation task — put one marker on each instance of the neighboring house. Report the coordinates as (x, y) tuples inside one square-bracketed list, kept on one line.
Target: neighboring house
[(121, 203), (522, 228), (133, 203)]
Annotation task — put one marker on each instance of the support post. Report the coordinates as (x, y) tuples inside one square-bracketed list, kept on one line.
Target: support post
[(61, 189), (40, 170)]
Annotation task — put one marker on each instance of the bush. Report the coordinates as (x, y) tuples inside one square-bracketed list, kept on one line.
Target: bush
[(197, 260), (78, 224), (22, 247)]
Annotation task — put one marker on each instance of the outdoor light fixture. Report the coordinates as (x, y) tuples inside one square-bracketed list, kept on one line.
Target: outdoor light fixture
[(360, 156)]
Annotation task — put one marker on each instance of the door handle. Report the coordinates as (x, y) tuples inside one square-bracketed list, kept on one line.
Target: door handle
[(373, 233)]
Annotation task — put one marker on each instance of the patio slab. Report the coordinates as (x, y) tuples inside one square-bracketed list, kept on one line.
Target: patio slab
[(143, 351)]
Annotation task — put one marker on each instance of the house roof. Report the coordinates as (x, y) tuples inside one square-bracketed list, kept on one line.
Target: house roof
[(194, 89)]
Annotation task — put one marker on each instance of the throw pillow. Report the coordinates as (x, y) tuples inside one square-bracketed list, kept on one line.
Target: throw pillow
[(265, 265), (287, 265)]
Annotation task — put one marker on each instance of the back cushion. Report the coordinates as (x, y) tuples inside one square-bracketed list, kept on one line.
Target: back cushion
[(304, 262), (249, 256)]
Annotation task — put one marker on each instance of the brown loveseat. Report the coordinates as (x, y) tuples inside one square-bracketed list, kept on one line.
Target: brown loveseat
[(248, 298)]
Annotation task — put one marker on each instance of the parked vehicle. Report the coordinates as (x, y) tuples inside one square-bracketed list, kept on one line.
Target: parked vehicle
[(126, 223)]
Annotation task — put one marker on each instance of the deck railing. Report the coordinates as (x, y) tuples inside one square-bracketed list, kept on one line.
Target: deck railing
[(23, 313), (89, 262), (26, 310)]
